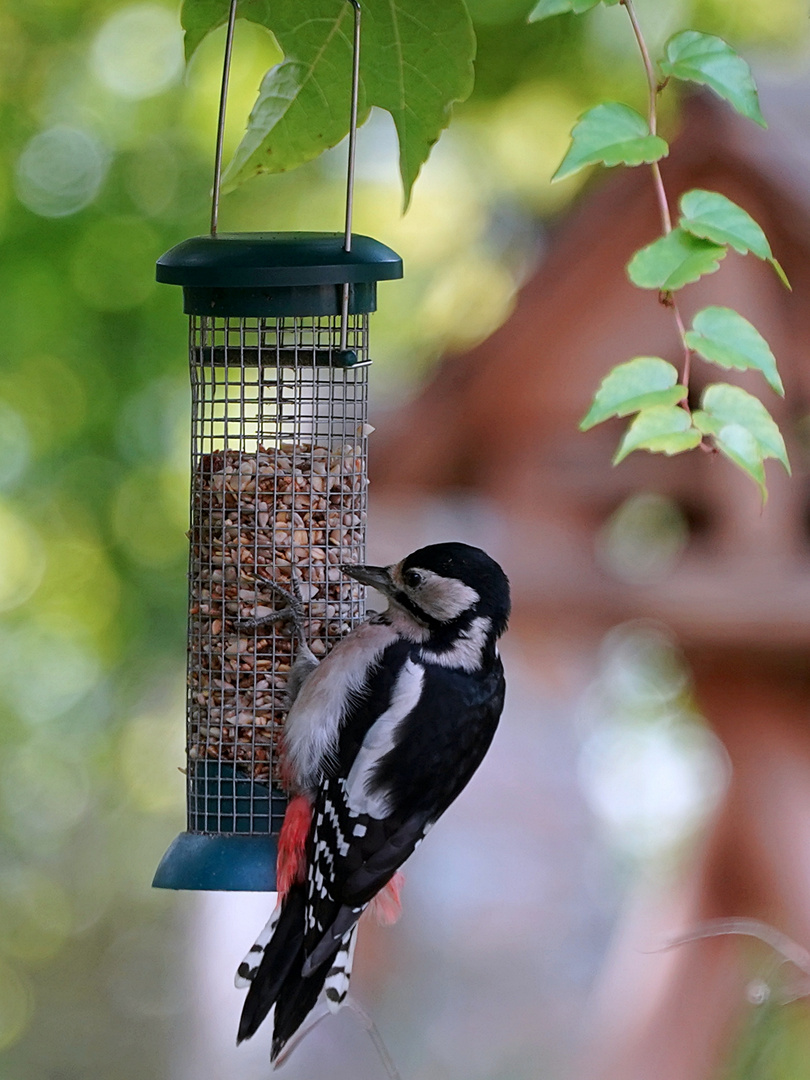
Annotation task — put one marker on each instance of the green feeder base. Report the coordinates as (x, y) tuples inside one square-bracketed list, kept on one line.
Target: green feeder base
[(224, 863), (231, 843)]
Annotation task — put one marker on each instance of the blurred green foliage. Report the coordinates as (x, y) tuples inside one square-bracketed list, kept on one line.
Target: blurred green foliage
[(105, 162), (774, 1032)]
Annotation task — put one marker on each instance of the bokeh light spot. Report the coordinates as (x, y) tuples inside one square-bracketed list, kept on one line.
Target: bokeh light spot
[(60, 171), (79, 596), (22, 559), (46, 674), (151, 752), (642, 669), (138, 52), (15, 446), (652, 786), (153, 424), (39, 917), (150, 516), (152, 176), (152, 965), (644, 538), (16, 1006), (50, 398), (113, 265), (45, 788), (649, 768)]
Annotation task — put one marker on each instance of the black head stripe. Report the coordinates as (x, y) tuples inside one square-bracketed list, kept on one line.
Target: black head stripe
[(443, 635), (404, 601)]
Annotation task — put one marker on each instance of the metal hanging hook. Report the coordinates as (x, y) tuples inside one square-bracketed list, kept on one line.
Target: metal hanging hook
[(223, 100)]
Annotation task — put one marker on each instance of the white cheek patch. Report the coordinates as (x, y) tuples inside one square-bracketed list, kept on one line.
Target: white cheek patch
[(444, 598), (466, 651)]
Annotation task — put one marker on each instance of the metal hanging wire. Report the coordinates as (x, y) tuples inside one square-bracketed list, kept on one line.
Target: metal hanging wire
[(350, 172), (347, 235), (223, 101)]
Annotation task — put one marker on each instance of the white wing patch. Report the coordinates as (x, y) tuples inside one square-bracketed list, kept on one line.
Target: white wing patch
[(313, 722), (246, 971), (340, 839), (379, 741)]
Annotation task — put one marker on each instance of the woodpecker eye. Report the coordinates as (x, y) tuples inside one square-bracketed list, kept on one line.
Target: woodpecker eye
[(412, 578)]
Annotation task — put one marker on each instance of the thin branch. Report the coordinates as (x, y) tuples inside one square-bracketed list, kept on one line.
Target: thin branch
[(790, 951), (376, 1038)]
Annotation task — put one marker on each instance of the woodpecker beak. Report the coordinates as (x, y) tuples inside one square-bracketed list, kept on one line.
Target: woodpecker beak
[(377, 577)]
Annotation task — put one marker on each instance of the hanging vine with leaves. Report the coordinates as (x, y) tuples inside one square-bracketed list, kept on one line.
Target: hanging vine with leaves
[(649, 388), (417, 62)]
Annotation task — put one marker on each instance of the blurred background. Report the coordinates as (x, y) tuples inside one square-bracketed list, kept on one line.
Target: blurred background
[(653, 766)]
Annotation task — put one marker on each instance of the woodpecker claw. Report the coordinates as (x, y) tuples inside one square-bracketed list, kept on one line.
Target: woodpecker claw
[(292, 612)]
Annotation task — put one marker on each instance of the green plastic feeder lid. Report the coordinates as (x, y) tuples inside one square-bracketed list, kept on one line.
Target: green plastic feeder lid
[(277, 274), (248, 260)]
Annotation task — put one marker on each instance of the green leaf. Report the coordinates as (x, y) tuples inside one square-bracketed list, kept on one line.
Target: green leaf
[(637, 384), (416, 61), (546, 8), (724, 404), (724, 337), (614, 134), (710, 61), (663, 429), (198, 18), (673, 261), (741, 447), (780, 273), (712, 216)]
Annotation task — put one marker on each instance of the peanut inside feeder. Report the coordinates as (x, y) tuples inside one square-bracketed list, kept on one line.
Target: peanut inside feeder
[(278, 351), (284, 515)]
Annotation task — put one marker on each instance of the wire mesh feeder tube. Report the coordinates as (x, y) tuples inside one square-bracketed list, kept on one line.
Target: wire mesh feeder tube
[(278, 493), (278, 500)]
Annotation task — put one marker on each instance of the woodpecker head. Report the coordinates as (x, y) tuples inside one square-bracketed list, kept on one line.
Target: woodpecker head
[(444, 588)]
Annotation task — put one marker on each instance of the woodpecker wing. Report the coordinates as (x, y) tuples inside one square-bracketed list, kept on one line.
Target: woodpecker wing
[(392, 780)]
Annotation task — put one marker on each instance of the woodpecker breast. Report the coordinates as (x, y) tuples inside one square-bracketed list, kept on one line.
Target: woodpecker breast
[(314, 720)]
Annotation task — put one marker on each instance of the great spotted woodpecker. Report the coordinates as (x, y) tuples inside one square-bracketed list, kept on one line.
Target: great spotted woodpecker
[(380, 738)]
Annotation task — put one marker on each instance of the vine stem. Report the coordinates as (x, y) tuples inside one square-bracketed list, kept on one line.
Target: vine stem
[(687, 352), (658, 182), (652, 84)]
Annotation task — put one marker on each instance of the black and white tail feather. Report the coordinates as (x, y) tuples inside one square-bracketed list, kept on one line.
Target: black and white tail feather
[(246, 972), (382, 736), (336, 984)]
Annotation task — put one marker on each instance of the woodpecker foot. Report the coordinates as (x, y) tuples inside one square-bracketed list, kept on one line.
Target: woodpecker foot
[(292, 612)]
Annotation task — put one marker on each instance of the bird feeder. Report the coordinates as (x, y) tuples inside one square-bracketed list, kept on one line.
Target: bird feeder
[(279, 357)]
